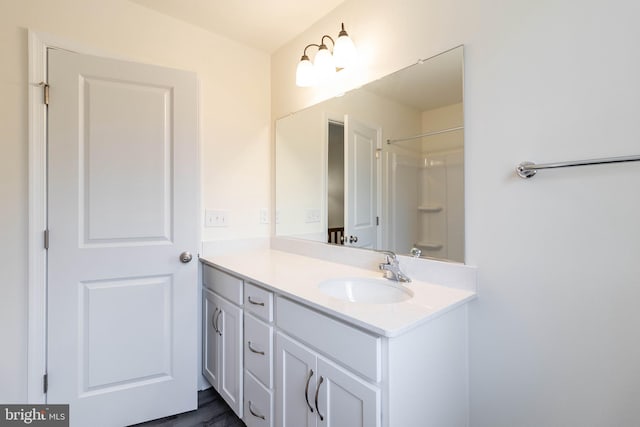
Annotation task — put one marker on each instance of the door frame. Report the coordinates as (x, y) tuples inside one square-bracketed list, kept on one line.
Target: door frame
[(38, 43)]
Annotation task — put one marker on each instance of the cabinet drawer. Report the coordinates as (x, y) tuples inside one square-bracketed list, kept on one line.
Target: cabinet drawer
[(222, 283), (358, 350), (258, 403), (258, 349), (258, 301)]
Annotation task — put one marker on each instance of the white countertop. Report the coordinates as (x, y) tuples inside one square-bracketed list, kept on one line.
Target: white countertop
[(297, 277)]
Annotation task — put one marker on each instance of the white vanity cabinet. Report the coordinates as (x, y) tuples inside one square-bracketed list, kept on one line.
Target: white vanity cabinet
[(222, 335), (312, 391), (290, 361)]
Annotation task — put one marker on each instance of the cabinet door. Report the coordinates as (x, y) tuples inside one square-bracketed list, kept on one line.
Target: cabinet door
[(230, 353), (295, 384), (344, 399), (210, 310)]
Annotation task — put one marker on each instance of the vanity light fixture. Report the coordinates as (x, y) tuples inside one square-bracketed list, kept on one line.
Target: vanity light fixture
[(326, 63)]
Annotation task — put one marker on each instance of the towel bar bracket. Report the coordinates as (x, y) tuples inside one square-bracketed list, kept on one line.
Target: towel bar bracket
[(523, 172)]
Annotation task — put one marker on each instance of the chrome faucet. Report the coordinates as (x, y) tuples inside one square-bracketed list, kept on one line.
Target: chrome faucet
[(391, 268)]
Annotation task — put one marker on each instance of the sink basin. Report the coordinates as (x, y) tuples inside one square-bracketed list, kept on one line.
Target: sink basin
[(366, 290)]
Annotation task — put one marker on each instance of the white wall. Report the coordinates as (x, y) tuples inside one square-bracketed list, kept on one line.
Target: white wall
[(554, 339), (234, 100)]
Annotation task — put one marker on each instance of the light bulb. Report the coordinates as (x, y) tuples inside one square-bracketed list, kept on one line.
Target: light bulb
[(344, 51), (305, 73), (324, 65)]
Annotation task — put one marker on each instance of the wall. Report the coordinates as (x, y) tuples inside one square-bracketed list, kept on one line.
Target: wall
[(234, 102), (553, 334)]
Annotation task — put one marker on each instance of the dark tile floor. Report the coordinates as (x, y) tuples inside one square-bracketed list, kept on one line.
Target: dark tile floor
[(212, 411)]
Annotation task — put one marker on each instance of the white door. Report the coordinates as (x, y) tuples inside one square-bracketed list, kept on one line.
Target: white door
[(361, 189), (123, 205), (345, 400), (295, 384)]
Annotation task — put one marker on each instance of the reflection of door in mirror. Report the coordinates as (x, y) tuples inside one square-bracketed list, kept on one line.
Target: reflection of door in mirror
[(361, 184), (352, 191)]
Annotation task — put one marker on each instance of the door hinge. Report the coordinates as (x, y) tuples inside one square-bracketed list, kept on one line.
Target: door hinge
[(46, 239), (45, 93), (378, 151), (45, 383), (377, 220)]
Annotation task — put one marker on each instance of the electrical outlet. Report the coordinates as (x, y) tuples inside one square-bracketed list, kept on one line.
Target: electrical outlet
[(216, 218), (264, 216)]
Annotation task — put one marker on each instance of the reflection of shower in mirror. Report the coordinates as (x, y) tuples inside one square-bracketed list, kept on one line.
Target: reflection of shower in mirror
[(427, 188)]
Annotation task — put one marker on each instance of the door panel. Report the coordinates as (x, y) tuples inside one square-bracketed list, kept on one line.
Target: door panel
[(111, 319), (140, 145), (122, 206)]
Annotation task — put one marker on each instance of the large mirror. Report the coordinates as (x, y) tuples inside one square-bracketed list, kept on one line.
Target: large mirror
[(380, 167)]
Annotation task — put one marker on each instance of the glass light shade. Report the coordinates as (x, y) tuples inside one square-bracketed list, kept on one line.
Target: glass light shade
[(344, 52), (324, 65), (305, 73)]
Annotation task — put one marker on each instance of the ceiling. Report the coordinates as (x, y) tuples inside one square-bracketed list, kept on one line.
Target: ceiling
[(261, 24)]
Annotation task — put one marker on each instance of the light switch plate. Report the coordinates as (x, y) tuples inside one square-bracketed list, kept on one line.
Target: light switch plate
[(264, 216), (216, 218)]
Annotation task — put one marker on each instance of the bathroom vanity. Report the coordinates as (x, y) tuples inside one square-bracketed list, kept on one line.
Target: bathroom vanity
[(295, 341)]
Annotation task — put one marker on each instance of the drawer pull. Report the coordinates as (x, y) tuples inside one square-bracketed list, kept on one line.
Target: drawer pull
[(255, 302), (317, 393), (253, 350), (213, 320), (255, 414), (306, 390), (217, 318)]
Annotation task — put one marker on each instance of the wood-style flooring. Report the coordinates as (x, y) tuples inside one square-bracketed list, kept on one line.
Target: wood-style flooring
[(212, 411)]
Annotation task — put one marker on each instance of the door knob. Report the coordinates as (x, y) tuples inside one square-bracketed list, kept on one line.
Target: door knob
[(185, 257)]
